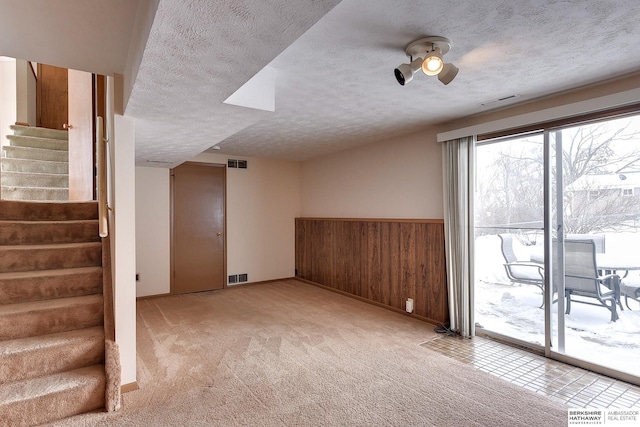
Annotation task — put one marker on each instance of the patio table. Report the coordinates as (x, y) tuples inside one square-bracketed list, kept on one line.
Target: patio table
[(612, 263), (618, 262), (608, 263), (630, 291)]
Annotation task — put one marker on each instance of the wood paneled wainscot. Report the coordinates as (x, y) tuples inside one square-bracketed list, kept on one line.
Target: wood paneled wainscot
[(384, 261)]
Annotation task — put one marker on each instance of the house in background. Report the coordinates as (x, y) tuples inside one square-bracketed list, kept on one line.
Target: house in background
[(614, 185), (608, 199), (305, 93)]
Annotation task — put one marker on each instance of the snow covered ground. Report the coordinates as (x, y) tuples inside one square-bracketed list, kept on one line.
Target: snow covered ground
[(514, 310)]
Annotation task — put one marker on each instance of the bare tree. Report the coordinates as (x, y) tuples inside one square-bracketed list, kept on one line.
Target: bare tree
[(588, 150), (510, 190), (594, 209), (509, 185)]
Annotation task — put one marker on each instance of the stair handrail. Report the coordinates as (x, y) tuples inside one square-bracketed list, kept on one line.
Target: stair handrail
[(103, 209), (113, 373)]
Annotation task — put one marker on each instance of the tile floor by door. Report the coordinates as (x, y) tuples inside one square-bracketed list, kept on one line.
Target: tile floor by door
[(573, 386)]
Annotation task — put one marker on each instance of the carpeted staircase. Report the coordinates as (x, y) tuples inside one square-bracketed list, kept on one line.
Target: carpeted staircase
[(35, 164), (52, 338)]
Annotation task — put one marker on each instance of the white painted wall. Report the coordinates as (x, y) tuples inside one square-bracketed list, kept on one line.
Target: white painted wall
[(262, 203), (152, 231), (124, 242), (26, 93), (8, 101), (399, 178), (395, 178)]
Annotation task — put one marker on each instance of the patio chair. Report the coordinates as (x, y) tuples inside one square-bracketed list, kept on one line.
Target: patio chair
[(521, 271), (582, 278), (630, 291), (598, 240)]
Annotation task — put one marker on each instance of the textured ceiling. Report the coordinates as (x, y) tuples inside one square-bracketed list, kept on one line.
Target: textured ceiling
[(334, 84), (333, 63), (198, 54)]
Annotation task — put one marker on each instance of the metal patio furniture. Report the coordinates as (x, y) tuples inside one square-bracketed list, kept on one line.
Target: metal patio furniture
[(630, 291), (582, 278), (521, 271)]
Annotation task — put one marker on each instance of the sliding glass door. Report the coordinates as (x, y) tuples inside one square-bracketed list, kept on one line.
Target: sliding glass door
[(594, 227), (557, 245), (509, 256)]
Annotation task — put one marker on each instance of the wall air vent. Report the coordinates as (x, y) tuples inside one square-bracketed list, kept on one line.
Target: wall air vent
[(233, 279), (239, 164), (243, 277)]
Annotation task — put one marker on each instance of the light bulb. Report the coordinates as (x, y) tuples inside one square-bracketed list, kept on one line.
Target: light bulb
[(433, 64)]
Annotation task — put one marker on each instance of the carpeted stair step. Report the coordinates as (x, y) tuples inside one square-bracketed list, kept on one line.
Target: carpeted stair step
[(38, 142), (53, 397), (45, 317), (52, 336), (45, 232), (28, 286), (31, 357), (34, 166), (29, 179), (35, 154), (50, 257), (36, 194), (40, 132), (40, 211)]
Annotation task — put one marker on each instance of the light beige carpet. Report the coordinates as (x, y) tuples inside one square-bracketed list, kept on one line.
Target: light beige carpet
[(290, 354)]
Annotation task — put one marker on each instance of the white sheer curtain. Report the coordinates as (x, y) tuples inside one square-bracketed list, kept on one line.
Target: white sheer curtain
[(458, 179)]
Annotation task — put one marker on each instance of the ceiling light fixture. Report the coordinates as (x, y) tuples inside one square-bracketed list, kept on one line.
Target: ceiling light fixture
[(427, 53), (405, 72)]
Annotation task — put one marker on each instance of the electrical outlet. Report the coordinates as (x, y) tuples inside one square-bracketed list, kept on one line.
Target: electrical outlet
[(409, 305)]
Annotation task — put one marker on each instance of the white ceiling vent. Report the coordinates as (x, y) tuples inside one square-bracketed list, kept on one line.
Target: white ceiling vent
[(504, 98)]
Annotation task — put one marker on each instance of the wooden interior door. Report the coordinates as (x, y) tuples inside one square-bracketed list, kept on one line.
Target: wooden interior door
[(51, 97), (81, 136), (198, 219)]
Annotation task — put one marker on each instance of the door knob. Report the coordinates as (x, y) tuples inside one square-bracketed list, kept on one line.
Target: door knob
[(66, 126), (218, 234)]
